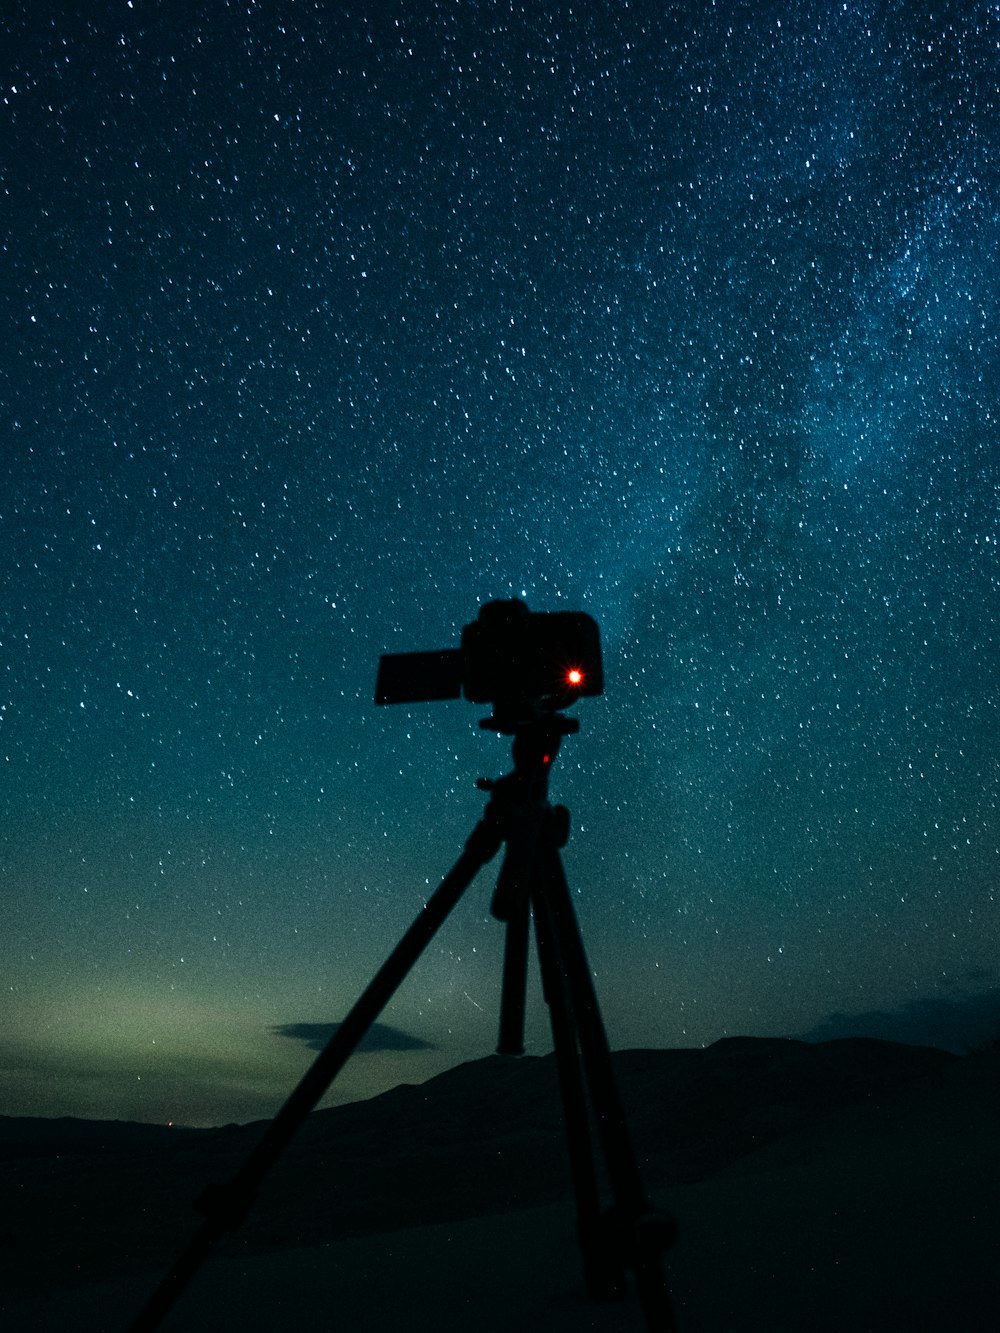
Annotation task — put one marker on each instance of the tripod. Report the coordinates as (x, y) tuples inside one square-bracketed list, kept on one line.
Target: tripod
[(628, 1235)]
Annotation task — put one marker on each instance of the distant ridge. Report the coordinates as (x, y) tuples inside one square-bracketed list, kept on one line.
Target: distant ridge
[(96, 1198)]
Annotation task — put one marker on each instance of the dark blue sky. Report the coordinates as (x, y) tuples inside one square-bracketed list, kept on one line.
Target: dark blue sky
[(322, 327)]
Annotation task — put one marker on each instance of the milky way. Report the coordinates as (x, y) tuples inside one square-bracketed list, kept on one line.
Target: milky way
[(321, 329)]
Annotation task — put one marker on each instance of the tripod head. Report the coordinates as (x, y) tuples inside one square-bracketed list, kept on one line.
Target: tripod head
[(529, 718)]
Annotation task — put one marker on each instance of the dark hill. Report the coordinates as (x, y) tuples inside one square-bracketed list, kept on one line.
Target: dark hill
[(92, 1199)]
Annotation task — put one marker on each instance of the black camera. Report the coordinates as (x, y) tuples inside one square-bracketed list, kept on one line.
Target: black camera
[(510, 657)]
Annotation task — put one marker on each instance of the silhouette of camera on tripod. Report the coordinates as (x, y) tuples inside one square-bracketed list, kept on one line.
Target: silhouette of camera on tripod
[(529, 666)]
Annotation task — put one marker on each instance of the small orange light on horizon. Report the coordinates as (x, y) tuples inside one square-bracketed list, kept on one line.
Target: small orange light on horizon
[(574, 676)]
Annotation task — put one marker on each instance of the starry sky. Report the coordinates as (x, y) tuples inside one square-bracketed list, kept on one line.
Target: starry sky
[(324, 324)]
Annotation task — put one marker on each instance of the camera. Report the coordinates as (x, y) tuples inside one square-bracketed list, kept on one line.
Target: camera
[(509, 656)]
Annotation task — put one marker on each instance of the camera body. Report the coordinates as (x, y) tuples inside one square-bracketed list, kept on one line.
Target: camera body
[(513, 653), (509, 657)]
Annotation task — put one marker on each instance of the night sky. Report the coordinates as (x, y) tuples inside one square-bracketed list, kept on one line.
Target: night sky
[(324, 324)]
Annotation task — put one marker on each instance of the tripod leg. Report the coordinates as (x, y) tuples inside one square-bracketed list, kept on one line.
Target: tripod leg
[(604, 1278), (515, 979), (641, 1234), (511, 905), (225, 1206)]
